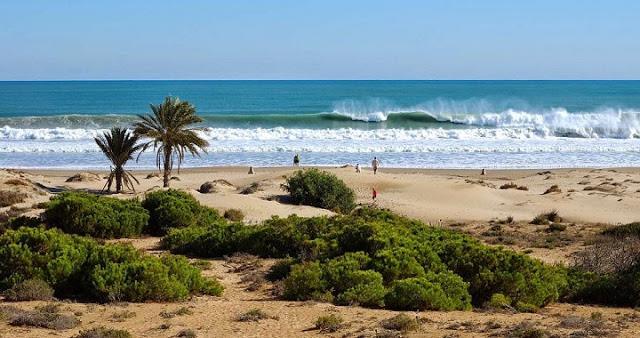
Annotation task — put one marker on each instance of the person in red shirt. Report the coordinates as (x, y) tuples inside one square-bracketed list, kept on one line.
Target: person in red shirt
[(374, 194)]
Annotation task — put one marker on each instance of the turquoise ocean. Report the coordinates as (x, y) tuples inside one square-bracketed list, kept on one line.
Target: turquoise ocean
[(426, 124)]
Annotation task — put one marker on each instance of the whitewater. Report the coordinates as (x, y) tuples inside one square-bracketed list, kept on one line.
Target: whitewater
[(431, 124)]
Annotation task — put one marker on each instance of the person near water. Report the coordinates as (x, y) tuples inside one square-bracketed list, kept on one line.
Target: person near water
[(374, 194), (357, 168), (374, 164), (296, 160)]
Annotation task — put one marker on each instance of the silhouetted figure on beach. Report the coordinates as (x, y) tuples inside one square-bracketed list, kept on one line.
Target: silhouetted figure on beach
[(296, 160), (374, 164)]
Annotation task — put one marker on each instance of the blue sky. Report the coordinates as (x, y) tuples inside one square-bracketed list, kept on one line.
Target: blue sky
[(319, 39)]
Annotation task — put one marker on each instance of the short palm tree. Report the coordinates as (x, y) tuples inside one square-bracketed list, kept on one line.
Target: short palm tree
[(119, 146), (170, 134)]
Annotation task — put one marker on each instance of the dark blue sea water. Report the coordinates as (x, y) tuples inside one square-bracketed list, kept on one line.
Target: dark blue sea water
[(454, 124)]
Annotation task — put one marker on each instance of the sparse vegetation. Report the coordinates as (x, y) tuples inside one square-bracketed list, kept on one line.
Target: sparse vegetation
[(329, 323), (183, 311), (122, 316), (9, 197), (250, 189), (626, 230), (253, 315), (552, 189), (43, 319), (401, 322), (234, 215), (546, 218), (187, 333), (30, 289), (320, 189), (555, 227), (103, 332)]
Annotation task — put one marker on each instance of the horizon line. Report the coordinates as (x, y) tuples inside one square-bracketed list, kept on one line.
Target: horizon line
[(257, 80)]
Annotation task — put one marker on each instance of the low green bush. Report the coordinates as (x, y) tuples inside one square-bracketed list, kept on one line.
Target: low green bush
[(20, 221), (343, 258), (97, 216), (497, 301), (175, 209), (320, 189), (305, 282), (78, 266), (443, 291)]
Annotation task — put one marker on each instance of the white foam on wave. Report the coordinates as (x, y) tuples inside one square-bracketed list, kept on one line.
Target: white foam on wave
[(473, 140), (605, 123)]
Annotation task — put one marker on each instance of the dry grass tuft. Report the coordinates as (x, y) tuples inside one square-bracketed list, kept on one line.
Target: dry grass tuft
[(8, 197), (552, 189), (401, 322)]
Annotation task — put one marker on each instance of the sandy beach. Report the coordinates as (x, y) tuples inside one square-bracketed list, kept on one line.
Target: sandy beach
[(586, 195)]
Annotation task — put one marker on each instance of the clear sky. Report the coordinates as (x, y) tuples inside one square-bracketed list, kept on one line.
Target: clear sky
[(319, 39)]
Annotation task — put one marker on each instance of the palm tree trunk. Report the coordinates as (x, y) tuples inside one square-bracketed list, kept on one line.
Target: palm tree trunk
[(167, 167), (119, 172)]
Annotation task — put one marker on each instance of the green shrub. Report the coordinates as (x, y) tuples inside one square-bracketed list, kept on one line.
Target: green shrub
[(305, 282), (30, 289), (398, 263), (497, 301), (320, 189), (329, 323), (367, 289), (234, 215), (215, 240), (442, 291), (74, 265), (175, 209), (20, 221), (103, 332), (280, 270), (104, 217), (369, 243)]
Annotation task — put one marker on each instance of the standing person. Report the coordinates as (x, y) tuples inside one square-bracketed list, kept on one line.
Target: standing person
[(296, 160), (374, 164), (374, 194), (357, 168)]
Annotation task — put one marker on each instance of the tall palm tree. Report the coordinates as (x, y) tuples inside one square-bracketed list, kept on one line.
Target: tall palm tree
[(119, 145), (171, 137)]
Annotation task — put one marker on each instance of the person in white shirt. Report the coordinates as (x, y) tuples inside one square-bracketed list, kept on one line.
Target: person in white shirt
[(374, 164)]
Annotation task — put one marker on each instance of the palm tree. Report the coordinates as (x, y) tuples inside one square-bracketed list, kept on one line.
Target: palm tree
[(171, 137), (119, 145)]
